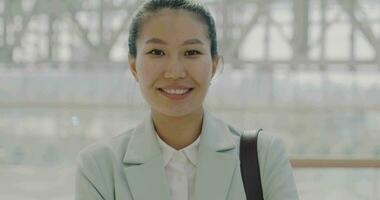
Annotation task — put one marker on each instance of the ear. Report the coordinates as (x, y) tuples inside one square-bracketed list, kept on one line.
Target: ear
[(215, 62), (132, 66)]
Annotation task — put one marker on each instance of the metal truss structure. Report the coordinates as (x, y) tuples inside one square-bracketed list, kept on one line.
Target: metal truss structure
[(93, 33)]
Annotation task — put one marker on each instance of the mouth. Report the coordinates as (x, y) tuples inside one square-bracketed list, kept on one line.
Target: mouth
[(175, 93)]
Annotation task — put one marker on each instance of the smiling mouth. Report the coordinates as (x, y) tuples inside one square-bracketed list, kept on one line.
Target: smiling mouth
[(176, 91), (176, 94)]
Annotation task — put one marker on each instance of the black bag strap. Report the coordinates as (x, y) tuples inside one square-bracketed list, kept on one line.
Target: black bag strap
[(249, 165)]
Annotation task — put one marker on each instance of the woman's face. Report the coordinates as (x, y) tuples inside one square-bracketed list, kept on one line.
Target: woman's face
[(173, 63)]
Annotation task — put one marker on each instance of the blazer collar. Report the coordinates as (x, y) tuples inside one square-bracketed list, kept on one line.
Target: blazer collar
[(143, 144), (215, 134), (145, 171)]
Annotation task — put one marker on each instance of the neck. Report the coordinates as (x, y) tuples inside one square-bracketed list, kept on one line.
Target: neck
[(178, 132)]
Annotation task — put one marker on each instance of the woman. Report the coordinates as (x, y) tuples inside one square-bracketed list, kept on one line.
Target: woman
[(180, 151)]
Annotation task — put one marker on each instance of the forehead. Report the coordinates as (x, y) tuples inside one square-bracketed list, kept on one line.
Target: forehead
[(174, 26)]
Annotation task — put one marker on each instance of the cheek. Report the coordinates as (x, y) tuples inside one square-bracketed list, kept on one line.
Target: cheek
[(201, 71), (148, 72)]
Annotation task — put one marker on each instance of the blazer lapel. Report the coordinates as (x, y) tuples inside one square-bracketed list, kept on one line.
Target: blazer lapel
[(217, 160), (144, 164)]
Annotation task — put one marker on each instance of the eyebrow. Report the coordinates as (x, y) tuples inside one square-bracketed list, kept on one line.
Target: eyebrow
[(155, 41), (187, 42), (192, 41)]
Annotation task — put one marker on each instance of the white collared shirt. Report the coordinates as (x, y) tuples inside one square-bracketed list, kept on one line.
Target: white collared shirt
[(180, 168)]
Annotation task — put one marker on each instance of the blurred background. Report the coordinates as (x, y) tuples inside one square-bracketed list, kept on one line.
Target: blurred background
[(307, 71)]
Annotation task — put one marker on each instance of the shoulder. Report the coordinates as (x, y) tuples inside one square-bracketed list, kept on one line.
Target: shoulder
[(275, 170), (103, 154), (267, 142), (270, 147), (97, 165), (271, 150)]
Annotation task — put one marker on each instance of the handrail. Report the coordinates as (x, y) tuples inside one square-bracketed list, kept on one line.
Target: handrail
[(334, 163)]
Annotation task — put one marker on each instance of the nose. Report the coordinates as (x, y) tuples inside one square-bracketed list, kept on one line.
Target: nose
[(175, 69)]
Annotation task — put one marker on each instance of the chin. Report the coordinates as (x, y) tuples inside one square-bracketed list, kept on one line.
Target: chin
[(173, 112)]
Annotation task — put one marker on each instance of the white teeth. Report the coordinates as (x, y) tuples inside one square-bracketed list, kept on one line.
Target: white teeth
[(176, 91)]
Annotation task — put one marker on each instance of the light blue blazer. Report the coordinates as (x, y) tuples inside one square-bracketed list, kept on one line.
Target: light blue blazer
[(130, 166)]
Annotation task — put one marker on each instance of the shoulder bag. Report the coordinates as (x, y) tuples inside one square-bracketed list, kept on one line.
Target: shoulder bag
[(249, 165)]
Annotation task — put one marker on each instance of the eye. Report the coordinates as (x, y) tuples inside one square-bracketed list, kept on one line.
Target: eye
[(156, 52), (192, 53)]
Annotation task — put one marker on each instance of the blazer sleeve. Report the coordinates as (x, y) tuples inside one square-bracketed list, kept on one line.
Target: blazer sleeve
[(276, 172), (88, 181)]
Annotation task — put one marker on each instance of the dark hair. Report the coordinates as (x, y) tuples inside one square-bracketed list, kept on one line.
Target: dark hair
[(153, 6)]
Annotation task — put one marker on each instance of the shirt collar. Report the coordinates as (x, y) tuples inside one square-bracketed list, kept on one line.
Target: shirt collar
[(191, 151)]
